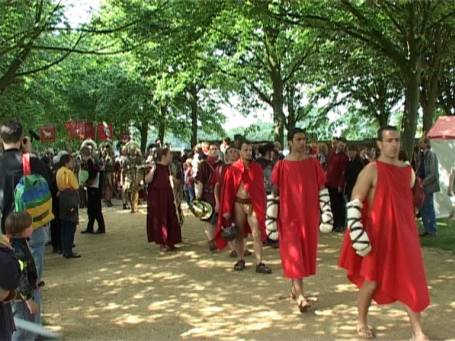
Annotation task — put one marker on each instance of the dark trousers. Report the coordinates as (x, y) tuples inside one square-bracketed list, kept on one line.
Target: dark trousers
[(56, 238), (94, 209), (68, 228), (338, 205)]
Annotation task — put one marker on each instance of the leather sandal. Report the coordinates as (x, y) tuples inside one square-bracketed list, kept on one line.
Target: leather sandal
[(263, 269), (240, 265)]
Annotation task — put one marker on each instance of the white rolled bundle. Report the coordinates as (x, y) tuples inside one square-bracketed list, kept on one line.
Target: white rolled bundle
[(357, 233), (271, 216), (326, 224)]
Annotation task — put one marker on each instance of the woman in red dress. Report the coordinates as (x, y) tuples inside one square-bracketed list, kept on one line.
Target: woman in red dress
[(163, 226)]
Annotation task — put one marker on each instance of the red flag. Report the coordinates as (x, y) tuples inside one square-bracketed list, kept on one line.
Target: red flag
[(80, 129), (47, 133), (70, 127), (104, 131)]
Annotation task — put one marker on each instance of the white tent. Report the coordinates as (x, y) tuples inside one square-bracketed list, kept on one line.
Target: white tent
[(442, 141)]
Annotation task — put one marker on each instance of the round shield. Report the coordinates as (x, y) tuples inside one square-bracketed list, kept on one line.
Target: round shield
[(201, 209)]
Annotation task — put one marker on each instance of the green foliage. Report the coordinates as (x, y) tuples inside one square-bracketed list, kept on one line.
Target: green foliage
[(445, 238), (333, 67)]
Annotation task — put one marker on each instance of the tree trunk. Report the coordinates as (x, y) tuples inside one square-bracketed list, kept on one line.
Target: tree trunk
[(194, 114), (429, 97), (412, 75), (291, 120), (144, 128), (412, 106), (162, 124), (277, 105)]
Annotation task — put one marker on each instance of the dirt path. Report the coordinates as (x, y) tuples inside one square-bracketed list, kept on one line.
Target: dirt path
[(124, 289)]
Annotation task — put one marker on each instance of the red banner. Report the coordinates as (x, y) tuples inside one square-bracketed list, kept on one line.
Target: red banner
[(47, 133), (80, 129), (104, 131)]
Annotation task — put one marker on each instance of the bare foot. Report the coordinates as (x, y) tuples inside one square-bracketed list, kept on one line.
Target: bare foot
[(365, 332), (419, 337), (303, 304)]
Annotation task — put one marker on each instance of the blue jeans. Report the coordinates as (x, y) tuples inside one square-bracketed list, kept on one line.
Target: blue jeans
[(37, 245), (189, 193), (21, 311), (428, 214), (67, 229)]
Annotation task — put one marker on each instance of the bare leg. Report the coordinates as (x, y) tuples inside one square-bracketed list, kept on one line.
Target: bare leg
[(416, 325), (297, 294), (253, 222), (239, 218), (210, 233), (363, 304)]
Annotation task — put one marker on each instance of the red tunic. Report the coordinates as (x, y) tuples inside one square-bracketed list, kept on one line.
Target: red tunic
[(253, 183), (299, 183), (206, 175), (220, 174), (395, 261), (162, 224)]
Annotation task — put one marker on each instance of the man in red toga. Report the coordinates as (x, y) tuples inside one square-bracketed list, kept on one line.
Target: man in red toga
[(231, 154), (300, 182), (244, 203), (381, 249)]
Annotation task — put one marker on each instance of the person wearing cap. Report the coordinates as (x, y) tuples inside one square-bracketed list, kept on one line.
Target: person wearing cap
[(9, 280)]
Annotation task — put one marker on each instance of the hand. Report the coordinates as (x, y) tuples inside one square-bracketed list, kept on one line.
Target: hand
[(227, 216), (32, 307), (364, 252)]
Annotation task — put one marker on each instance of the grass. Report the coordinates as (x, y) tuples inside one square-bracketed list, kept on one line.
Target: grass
[(445, 238)]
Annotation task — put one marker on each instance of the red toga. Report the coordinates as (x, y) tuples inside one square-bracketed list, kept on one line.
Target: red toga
[(162, 224), (253, 183), (395, 261), (299, 183)]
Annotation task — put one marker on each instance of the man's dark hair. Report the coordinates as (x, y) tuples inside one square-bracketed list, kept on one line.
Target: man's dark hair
[(65, 158), (245, 141), (160, 153), (383, 129), (266, 148), (295, 131), (11, 131)]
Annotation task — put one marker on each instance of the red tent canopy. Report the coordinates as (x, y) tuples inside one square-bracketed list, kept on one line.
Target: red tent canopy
[(444, 128)]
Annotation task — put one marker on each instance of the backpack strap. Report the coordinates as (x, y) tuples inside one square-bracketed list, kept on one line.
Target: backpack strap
[(26, 164)]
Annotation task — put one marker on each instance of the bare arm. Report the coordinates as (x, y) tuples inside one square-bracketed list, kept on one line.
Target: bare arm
[(452, 182), (199, 188), (149, 177), (364, 182), (216, 192)]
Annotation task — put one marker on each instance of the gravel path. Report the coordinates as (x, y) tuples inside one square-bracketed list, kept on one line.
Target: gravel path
[(124, 289)]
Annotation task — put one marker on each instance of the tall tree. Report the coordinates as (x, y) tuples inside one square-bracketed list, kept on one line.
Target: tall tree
[(398, 30)]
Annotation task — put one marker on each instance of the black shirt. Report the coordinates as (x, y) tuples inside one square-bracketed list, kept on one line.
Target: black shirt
[(10, 174)]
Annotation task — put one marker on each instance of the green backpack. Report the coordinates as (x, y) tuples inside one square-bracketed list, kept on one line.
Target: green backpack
[(32, 194)]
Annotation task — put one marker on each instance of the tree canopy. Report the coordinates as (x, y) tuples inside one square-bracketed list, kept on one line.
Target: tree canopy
[(167, 66)]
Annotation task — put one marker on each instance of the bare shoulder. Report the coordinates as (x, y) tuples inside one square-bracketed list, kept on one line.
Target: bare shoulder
[(369, 171)]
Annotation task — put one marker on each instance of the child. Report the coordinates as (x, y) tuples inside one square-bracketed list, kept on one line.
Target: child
[(9, 280), (18, 227)]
